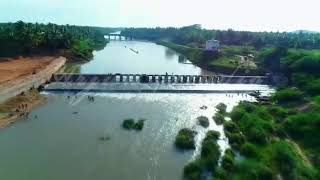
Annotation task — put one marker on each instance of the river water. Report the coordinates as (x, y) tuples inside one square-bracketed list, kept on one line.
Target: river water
[(60, 140)]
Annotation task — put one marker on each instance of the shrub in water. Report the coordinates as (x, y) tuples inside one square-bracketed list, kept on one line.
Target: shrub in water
[(193, 170), (203, 121), (213, 135), (250, 169), (210, 152), (235, 139), (139, 125), (220, 174), (185, 139), (218, 118), (237, 113), (289, 94), (231, 127), (222, 108), (248, 150), (228, 162), (128, 124), (257, 135)]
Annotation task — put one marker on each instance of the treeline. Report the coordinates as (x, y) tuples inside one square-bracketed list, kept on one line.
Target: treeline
[(196, 36), (290, 61), (72, 41)]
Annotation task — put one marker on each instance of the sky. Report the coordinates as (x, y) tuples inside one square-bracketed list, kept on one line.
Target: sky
[(252, 15)]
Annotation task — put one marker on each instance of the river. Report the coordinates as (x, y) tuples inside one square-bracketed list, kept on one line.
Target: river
[(60, 140)]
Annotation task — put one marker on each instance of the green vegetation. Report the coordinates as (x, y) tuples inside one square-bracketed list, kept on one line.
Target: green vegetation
[(74, 42), (219, 116), (193, 170), (228, 161), (203, 121), (139, 125), (208, 160), (210, 152), (273, 50), (222, 108), (195, 36), (130, 124), (265, 142), (185, 139), (224, 61)]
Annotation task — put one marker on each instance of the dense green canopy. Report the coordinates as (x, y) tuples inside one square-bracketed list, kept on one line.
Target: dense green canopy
[(25, 38), (196, 35)]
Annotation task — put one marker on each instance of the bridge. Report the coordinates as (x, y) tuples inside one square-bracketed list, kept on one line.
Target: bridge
[(118, 36), (154, 78)]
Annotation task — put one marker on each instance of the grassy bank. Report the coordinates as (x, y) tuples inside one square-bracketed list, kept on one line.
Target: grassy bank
[(227, 61)]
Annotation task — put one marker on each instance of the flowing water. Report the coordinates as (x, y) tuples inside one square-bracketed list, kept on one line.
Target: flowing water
[(61, 139)]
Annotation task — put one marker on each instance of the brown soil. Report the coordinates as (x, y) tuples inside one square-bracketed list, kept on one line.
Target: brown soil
[(11, 69)]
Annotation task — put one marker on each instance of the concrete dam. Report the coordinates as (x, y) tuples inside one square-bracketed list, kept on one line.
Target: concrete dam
[(146, 83)]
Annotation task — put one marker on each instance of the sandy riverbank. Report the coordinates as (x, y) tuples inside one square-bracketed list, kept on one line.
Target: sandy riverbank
[(17, 77), (11, 110)]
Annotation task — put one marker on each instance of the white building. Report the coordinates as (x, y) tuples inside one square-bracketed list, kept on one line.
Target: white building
[(212, 45)]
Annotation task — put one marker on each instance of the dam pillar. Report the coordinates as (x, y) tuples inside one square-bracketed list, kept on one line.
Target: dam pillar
[(184, 79), (179, 79), (153, 79), (172, 79), (197, 79), (203, 79), (160, 79), (191, 79), (144, 78), (209, 79), (121, 78), (166, 79)]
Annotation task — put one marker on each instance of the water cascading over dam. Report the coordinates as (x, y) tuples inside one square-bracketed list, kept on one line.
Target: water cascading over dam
[(144, 83)]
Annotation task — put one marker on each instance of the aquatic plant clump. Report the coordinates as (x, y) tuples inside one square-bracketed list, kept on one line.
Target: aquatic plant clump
[(139, 125), (222, 108), (210, 151), (185, 139), (128, 124), (203, 121), (193, 170), (218, 118)]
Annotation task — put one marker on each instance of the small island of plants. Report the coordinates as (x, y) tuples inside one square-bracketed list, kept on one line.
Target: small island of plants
[(203, 121), (219, 116), (208, 160), (130, 124), (185, 139)]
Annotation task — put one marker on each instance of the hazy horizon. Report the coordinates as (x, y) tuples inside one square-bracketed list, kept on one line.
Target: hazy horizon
[(249, 15)]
